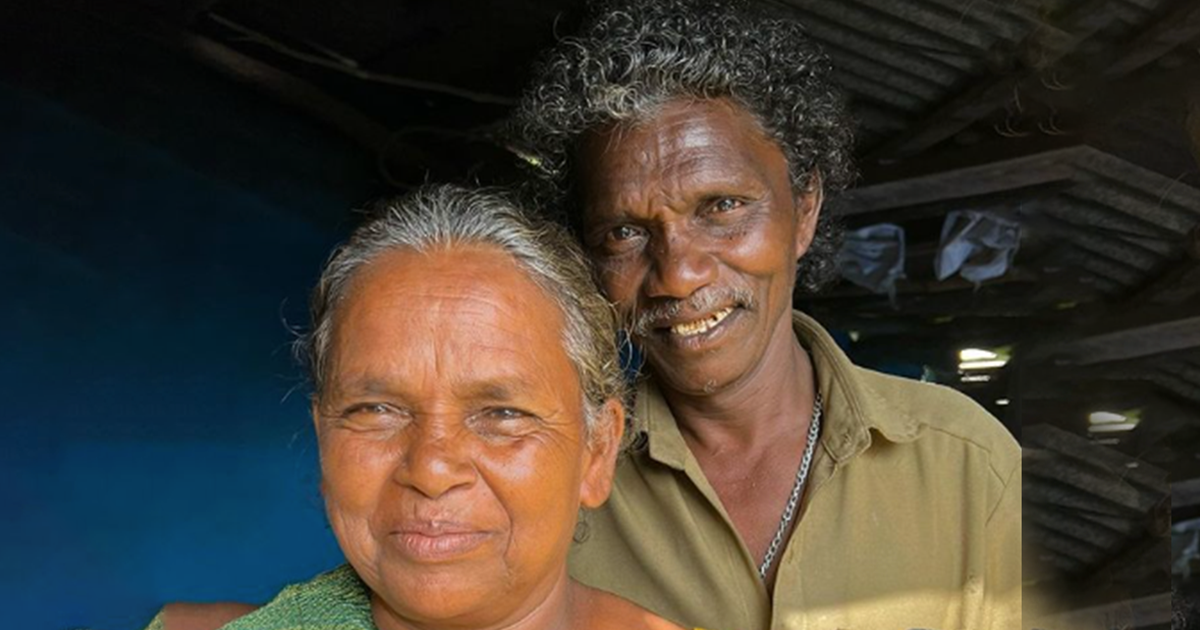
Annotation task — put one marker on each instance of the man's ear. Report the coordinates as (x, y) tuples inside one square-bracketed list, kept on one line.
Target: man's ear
[(808, 212), (600, 459)]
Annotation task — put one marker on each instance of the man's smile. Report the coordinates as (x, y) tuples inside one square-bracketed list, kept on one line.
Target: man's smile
[(701, 325)]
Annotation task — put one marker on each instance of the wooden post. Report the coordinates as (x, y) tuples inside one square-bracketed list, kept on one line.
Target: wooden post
[(1193, 122)]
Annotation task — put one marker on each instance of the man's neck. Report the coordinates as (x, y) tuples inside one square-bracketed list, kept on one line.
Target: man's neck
[(758, 409)]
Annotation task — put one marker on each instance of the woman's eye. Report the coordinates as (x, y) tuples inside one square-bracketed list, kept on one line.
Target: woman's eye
[(372, 416), (506, 413), (369, 409), (504, 421)]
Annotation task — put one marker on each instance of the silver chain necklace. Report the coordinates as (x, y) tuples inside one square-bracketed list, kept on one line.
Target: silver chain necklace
[(789, 511)]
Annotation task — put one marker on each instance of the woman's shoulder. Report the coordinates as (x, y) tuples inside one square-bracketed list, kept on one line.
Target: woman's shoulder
[(185, 616)]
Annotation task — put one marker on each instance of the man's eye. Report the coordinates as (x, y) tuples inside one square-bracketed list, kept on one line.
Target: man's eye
[(623, 233), (726, 204)]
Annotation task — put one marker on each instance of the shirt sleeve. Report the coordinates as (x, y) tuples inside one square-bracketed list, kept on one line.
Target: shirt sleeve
[(1002, 581)]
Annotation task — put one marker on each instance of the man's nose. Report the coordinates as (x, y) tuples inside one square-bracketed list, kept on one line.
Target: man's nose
[(435, 461), (682, 265)]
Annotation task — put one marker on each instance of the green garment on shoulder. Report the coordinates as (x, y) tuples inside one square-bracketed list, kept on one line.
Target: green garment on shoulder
[(337, 600)]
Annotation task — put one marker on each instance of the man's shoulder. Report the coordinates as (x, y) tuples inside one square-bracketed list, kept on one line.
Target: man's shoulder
[(932, 409)]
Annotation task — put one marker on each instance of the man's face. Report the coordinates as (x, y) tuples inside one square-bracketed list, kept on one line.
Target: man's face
[(452, 437), (694, 228)]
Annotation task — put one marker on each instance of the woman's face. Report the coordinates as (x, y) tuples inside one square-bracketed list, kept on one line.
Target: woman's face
[(453, 449)]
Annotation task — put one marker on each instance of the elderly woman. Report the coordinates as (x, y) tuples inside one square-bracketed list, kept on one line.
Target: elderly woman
[(468, 403)]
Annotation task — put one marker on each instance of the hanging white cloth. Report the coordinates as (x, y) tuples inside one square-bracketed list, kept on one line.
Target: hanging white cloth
[(873, 257), (977, 245)]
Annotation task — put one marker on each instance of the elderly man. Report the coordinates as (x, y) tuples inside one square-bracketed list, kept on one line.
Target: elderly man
[(776, 485)]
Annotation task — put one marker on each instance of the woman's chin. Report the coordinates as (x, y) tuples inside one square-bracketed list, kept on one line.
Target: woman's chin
[(436, 600)]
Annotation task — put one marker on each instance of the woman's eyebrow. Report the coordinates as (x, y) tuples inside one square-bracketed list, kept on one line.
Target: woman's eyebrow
[(498, 390), (363, 386)]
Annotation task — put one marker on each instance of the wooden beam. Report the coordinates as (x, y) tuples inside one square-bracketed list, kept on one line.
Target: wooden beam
[(1185, 494), (1175, 29), (288, 89), (1193, 122), (965, 181), (1002, 202), (1180, 281), (1096, 87), (1077, 448), (986, 96), (1141, 339), (1137, 613)]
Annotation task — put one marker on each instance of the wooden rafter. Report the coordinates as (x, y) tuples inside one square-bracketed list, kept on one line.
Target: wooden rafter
[(966, 181), (985, 97), (990, 94), (1193, 122), (1185, 493), (1146, 339), (1178, 27), (1138, 613)]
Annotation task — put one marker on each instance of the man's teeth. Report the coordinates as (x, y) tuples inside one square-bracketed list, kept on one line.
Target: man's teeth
[(701, 326)]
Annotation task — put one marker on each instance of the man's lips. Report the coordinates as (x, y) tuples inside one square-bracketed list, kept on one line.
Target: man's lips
[(694, 325)]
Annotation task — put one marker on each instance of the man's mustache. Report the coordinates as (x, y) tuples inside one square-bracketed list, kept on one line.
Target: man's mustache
[(657, 314)]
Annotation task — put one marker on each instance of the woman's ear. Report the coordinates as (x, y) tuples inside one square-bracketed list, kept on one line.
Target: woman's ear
[(600, 459), (808, 204), (315, 410)]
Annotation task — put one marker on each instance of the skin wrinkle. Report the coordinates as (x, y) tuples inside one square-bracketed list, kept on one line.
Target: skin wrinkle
[(630, 58), (379, 434), (427, 221), (616, 186), (434, 340), (687, 214)]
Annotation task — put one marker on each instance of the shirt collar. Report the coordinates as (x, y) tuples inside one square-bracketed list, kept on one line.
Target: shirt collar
[(852, 409)]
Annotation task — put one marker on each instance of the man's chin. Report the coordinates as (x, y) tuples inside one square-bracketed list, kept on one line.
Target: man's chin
[(693, 376)]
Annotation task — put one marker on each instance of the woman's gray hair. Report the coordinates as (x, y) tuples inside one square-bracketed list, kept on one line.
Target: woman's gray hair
[(633, 56), (445, 216)]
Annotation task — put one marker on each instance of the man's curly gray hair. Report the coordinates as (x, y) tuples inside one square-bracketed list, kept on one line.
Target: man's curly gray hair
[(631, 57), (445, 216)]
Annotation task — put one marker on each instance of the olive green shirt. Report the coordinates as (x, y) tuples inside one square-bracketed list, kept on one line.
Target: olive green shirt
[(911, 517)]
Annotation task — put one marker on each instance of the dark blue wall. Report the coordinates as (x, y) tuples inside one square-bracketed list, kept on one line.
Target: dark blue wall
[(154, 447)]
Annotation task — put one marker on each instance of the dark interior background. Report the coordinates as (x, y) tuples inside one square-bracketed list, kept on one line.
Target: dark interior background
[(173, 174)]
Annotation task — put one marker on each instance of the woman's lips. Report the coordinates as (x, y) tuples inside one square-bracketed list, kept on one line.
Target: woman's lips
[(424, 543)]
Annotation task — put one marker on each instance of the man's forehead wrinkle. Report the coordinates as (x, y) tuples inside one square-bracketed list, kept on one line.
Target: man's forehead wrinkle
[(680, 177)]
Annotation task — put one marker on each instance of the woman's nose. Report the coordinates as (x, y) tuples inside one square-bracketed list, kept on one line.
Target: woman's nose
[(435, 461)]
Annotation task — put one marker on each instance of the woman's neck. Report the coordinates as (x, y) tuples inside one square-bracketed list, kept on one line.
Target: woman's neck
[(553, 610)]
